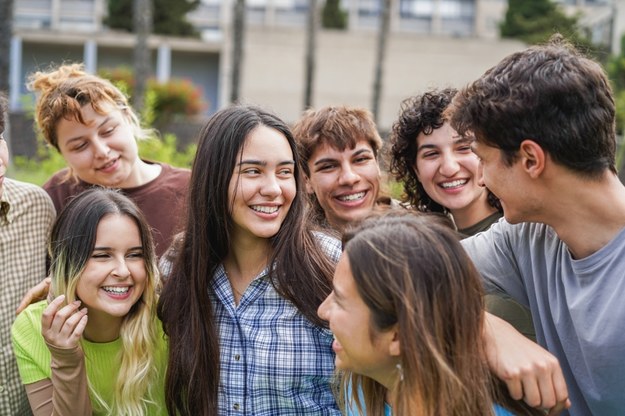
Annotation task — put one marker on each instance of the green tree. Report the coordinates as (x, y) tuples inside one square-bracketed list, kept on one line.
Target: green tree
[(169, 16), (333, 17), (6, 32), (534, 21)]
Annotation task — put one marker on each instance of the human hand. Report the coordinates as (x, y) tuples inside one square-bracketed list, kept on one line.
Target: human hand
[(62, 326), (530, 372), (35, 294)]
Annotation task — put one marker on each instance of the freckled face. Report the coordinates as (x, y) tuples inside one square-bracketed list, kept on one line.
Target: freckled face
[(346, 183), (263, 185), (103, 151)]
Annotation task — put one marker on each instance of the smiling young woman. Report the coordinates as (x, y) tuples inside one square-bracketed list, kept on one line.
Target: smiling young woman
[(89, 121)]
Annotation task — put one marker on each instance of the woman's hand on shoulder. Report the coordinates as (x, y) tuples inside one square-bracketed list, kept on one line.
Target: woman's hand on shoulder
[(63, 326)]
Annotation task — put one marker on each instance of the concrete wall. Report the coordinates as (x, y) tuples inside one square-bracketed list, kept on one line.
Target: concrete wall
[(273, 73)]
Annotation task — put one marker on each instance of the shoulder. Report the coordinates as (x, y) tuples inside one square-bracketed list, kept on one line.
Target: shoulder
[(60, 178), (29, 202), (172, 181), (330, 245), (511, 234), (29, 321), (171, 172)]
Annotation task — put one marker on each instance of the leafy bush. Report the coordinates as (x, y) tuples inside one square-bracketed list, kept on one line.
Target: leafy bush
[(163, 101)]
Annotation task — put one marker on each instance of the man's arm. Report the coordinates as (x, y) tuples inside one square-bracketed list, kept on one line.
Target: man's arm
[(530, 372)]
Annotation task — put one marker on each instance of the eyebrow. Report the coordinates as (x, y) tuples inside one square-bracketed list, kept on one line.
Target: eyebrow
[(459, 140), (331, 159), (110, 248), (263, 163), (106, 120)]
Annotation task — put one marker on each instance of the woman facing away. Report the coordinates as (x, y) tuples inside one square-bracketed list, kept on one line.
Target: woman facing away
[(99, 337), (413, 345), (239, 303), (89, 121), (441, 174)]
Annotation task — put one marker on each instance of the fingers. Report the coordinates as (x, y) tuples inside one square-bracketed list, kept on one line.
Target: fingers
[(34, 294), (62, 326), (557, 409)]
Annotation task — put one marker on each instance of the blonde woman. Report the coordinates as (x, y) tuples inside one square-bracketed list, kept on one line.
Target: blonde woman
[(89, 121), (101, 327)]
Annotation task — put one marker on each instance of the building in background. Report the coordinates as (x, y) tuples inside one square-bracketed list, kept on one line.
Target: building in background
[(432, 43)]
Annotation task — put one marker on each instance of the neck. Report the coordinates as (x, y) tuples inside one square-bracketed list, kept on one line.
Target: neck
[(586, 214), (473, 213), (102, 327), (244, 262), (141, 174)]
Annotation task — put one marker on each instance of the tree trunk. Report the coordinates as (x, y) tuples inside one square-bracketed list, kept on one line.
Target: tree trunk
[(312, 29), (238, 34), (142, 24), (385, 18), (6, 33)]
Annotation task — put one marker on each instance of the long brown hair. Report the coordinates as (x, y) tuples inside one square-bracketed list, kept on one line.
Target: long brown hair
[(185, 306), (432, 292)]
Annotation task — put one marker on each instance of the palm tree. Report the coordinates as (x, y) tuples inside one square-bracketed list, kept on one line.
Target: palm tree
[(385, 18), (6, 33), (142, 23), (312, 28), (238, 33)]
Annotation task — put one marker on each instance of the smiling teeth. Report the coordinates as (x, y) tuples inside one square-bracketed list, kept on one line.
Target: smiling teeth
[(116, 289), (352, 197), (453, 184), (265, 210)]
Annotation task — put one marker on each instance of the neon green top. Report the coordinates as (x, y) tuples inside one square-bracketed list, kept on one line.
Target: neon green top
[(101, 359)]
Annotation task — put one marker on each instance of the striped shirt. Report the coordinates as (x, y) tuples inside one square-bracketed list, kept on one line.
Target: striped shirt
[(26, 216), (273, 360)]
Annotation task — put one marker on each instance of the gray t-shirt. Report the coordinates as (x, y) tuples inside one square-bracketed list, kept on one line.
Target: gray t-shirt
[(578, 306)]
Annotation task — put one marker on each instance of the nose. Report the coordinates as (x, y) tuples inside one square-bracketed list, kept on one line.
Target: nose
[(322, 311), (271, 187), (101, 149), (348, 176), (121, 270), (449, 165)]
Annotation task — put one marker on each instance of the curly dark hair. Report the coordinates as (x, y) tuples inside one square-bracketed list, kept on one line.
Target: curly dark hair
[(419, 114)]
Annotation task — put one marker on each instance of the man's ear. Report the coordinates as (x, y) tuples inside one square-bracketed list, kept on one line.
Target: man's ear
[(532, 157)]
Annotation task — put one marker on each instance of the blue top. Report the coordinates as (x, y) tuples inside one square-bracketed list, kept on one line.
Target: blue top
[(274, 361), (352, 410)]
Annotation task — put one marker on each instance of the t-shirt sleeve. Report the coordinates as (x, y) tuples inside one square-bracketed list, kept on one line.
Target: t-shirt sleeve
[(29, 347), (494, 253)]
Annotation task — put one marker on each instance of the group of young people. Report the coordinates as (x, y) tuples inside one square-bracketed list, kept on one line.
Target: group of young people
[(260, 305)]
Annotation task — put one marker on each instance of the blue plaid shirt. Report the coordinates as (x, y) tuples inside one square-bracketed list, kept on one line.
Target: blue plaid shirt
[(273, 360)]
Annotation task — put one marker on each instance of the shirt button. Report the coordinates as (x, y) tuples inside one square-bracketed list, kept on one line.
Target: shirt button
[(236, 406), (237, 357)]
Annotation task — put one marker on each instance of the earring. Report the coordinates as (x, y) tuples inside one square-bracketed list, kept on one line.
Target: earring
[(400, 370)]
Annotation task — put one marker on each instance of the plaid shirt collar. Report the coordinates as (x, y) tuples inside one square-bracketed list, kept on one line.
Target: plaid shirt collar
[(6, 215)]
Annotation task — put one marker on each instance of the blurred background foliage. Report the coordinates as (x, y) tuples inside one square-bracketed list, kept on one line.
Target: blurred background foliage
[(164, 103)]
